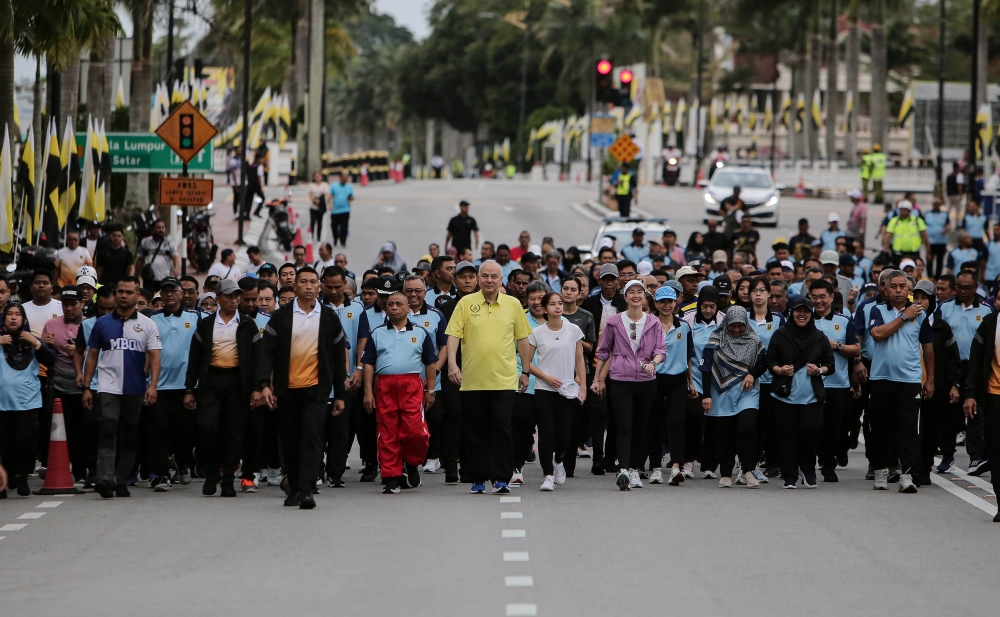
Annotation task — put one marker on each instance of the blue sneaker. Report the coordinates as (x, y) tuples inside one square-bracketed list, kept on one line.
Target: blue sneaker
[(478, 488), (947, 465), (132, 479), (500, 488)]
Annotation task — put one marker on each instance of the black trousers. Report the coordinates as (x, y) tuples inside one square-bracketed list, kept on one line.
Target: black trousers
[(935, 261), (170, 429), (363, 427), (451, 432), (487, 446), (17, 441), (934, 434), (632, 401), (45, 420), (624, 205), (522, 426), (732, 436), (81, 434), (850, 426), (222, 419), (695, 432), (338, 440), (579, 430), (253, 441), (975, 431), (118, 428), (836, 412), (596, 410), (338, 223), (767, 440), (666, 420), (893, 411), (434, 417), (991, 418), (316, 223), (302, 416), (554, 414), (800, 432)]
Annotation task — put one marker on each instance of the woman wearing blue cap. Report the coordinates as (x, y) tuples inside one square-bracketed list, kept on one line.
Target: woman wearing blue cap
[(673, 383)]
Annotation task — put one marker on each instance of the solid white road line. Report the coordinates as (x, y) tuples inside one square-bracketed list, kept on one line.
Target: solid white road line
[(19, 526), (27, 516), (510, 500), (961, 473), (522, 610), (585, 212), (519, 581), (511, 515), (2, 537), (512, 533), (49, 504), (964, 495), (507, 556)]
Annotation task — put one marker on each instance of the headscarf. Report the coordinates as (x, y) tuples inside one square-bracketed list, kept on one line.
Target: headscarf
[(801, 338), (396, 263), (734, 357), (204, 296), (694, 248), (19, 353), (707, 294)]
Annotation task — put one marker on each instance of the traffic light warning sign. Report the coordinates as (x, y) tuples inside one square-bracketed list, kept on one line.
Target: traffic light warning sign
[(186, 131), (624, 149)]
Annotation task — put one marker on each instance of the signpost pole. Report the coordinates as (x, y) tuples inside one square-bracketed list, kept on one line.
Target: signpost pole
[(245, 168), (184, 227)]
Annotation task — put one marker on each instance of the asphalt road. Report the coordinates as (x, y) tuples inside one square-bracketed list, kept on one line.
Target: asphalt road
[(586, 549)]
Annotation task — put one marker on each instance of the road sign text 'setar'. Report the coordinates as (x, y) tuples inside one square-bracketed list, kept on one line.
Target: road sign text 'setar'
[(186, 131)]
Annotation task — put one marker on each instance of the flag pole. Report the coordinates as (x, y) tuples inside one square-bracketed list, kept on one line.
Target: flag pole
[(20, 227)]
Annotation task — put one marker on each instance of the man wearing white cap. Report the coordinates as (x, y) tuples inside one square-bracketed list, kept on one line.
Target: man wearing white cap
[(857, 220), (831, 233), (905, 234)]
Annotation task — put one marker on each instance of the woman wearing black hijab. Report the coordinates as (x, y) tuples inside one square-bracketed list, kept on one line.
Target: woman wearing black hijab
[(798, 357), (20, 396), (703, 321)]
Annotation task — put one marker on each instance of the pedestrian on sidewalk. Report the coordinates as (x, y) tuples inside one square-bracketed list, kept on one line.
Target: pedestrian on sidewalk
[(396, 354)]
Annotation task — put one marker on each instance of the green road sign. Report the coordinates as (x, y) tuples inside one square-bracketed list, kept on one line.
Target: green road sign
[(134, 153)]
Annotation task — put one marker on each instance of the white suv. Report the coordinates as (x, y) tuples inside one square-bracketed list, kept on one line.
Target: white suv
[(756, 189)]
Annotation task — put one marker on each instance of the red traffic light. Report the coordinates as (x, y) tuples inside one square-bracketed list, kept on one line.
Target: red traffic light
[(604, 67), (625, 76)]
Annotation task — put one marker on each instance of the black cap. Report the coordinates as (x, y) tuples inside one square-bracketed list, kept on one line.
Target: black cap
[(422, 267), (724, 285), (71, 292), (170, 281), (529, 256), (387, 285), (695, 263), (463, 203), (401, 276), (267, 267), (212, 279), (846, 260)]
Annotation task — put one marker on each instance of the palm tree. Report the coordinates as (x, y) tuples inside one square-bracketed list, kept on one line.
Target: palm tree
[(832, 98), (137, 185), (853, 67)]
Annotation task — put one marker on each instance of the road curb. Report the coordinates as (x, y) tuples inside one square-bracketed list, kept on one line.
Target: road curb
[(605, 212)]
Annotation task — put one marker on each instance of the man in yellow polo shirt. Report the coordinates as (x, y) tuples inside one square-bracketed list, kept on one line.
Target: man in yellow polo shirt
[(905, 234), (487, 324)]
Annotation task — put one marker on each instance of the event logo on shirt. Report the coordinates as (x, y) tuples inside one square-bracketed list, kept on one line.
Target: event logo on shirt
[(427, 324), (836, 326), (137, 328), (125, 344), (413, 340), (679, 334), (187, 325), (350, 315), (768, 327), (475, 308), (979, 317)]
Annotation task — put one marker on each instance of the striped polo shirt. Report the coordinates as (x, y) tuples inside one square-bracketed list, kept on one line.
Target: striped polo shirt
[(123, 343)]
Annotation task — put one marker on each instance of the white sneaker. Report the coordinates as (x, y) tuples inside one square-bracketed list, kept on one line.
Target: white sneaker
[(548, 484), (432, 465), (882, 480), (688, 470), (633, 479), (709, 475), (725, 482), (759, 475), (582, 453), (518, 478), (749, 480), (737, 476), (906, 484), (560, 473), (656, 477), (273, 477), (676, 476)]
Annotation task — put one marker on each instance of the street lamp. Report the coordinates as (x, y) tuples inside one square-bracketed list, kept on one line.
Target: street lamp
[(245, 136)]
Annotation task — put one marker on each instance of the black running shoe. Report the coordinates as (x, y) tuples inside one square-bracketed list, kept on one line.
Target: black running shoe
[(412, 475), (307, 502), (391, 486), (369, 473), (104, 488), (228, 490), (122, 491)]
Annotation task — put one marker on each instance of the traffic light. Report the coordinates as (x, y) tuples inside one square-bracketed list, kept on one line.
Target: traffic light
[(199, 68), (605, 88), (625, 78), (187, 131), (179, 69)]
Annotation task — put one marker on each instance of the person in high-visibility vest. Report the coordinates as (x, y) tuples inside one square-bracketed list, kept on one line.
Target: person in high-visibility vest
[(906, 234), (877, 171), (625, 190), (866, 171)]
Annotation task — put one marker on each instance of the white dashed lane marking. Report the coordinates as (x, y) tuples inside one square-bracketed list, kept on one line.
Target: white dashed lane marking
[(510, 500), (512, 533), (27, 516), (49, 504), (519, 581), (511, 515), (507, 556), (13, 526), (522, 610)]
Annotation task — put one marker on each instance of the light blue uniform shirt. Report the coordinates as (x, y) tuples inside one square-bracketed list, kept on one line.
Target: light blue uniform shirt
[(733, 400), (699, 338), (341, 205), (862, 316), (434, 321), (992, 261), (802, 389), (829, 239), (975, 225), (176, 332), (897, 358), (765, 330), (635, 253), (936, 222), (964, 322), (399, 352), (865, 265), (678, 346), (959, 256), (82, 336), (22, 390), (796, 288), (840, 329)]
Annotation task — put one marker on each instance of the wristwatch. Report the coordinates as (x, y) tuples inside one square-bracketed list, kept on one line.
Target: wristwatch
[(904, 317), (840, 346)]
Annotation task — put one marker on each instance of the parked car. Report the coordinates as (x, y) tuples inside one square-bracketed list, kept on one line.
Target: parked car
[(757, 190), (621, 229)]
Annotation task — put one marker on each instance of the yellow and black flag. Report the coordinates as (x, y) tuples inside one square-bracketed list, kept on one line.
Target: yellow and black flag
[(785, 112), (52, 216), (906, 109), (26, 179), (800, 113), (69, 162), (849, 112)]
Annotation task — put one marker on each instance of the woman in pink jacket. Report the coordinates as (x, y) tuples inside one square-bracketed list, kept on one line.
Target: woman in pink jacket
[(631, 347)]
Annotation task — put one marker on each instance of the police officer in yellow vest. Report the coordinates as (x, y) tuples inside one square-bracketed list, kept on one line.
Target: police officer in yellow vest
[(625, 190), (877, 171), (866, 170), (906, 234)]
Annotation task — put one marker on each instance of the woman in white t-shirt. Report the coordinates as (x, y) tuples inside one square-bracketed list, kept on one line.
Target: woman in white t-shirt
[(559, 387), (319, 203)]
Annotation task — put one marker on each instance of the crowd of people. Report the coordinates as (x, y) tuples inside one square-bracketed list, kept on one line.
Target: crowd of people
[(655, 361)]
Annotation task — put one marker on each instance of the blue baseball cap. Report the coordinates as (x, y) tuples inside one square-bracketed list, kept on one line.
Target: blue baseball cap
[(665, 293)]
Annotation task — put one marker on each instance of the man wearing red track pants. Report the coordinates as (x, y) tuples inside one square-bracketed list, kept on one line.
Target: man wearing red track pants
[(393, 358)]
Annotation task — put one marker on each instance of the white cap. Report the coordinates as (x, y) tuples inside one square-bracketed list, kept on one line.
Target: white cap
[(86, 271), (854, 194), (633, 283), (907, 263), (536, 249), (904, 203), (833, 218), (787, 264), (644, 268), (87, 280), (605, 242)]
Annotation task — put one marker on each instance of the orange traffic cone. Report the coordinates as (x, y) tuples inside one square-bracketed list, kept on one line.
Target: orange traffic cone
[(800, 188), (58, 479), (309, 253), (297, 240), (699, 177)]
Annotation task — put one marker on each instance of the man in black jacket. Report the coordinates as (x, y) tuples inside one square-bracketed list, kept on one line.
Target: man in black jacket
[(220, 363), (982, 395), (303, 347)]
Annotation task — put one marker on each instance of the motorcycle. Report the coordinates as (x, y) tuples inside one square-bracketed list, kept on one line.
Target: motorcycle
[(671, 171), (278, 212), (716, 166), (201, 245)]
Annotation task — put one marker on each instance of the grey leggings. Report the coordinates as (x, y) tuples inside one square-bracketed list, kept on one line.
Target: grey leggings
[(118, 426)]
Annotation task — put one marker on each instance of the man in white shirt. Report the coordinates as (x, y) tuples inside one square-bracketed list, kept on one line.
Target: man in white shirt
[(256, 261), (325, 258), (71, 258), (226, 268), (42, 307)]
